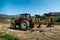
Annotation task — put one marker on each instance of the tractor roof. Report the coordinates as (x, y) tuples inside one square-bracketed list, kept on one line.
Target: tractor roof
[(25, 14)]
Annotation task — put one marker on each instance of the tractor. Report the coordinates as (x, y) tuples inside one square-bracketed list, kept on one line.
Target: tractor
[(48, 20), (25, 21)]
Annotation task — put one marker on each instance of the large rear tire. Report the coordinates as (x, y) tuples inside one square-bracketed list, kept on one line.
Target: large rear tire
[(24, 25)]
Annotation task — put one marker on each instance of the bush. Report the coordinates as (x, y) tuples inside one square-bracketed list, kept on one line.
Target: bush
[(58, 20), (5, 36)]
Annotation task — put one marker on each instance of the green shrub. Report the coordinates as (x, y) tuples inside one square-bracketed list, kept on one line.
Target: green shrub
[(8, 36), (58, 20)]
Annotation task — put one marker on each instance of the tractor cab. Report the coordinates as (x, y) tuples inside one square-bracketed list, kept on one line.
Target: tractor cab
[(25, 16)]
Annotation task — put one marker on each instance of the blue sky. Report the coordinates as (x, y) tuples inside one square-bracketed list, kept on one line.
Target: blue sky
[(14, 7)]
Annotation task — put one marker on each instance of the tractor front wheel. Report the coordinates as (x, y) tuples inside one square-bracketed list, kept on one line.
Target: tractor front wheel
[(13, 25)]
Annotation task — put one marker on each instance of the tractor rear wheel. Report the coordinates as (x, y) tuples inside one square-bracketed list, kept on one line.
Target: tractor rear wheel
[(24, 25)]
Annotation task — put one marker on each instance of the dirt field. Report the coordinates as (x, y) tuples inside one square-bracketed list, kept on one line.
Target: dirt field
[(51, 33)]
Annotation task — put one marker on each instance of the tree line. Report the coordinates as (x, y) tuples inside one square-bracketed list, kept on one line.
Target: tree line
[(56, 16)]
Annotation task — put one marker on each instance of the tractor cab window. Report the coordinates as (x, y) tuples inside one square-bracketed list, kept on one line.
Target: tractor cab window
[(23, 16), (27, 16)]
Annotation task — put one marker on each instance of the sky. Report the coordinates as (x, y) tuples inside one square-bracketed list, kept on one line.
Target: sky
[(14, 7)]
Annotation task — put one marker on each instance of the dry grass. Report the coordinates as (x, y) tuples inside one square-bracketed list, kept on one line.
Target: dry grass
[(43, 33)]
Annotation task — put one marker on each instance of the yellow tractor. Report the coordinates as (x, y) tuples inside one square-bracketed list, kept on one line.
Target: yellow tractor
[(48, 20), (36, 21)]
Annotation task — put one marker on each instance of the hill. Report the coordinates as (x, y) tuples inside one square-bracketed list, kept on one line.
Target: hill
[(6, 16)]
